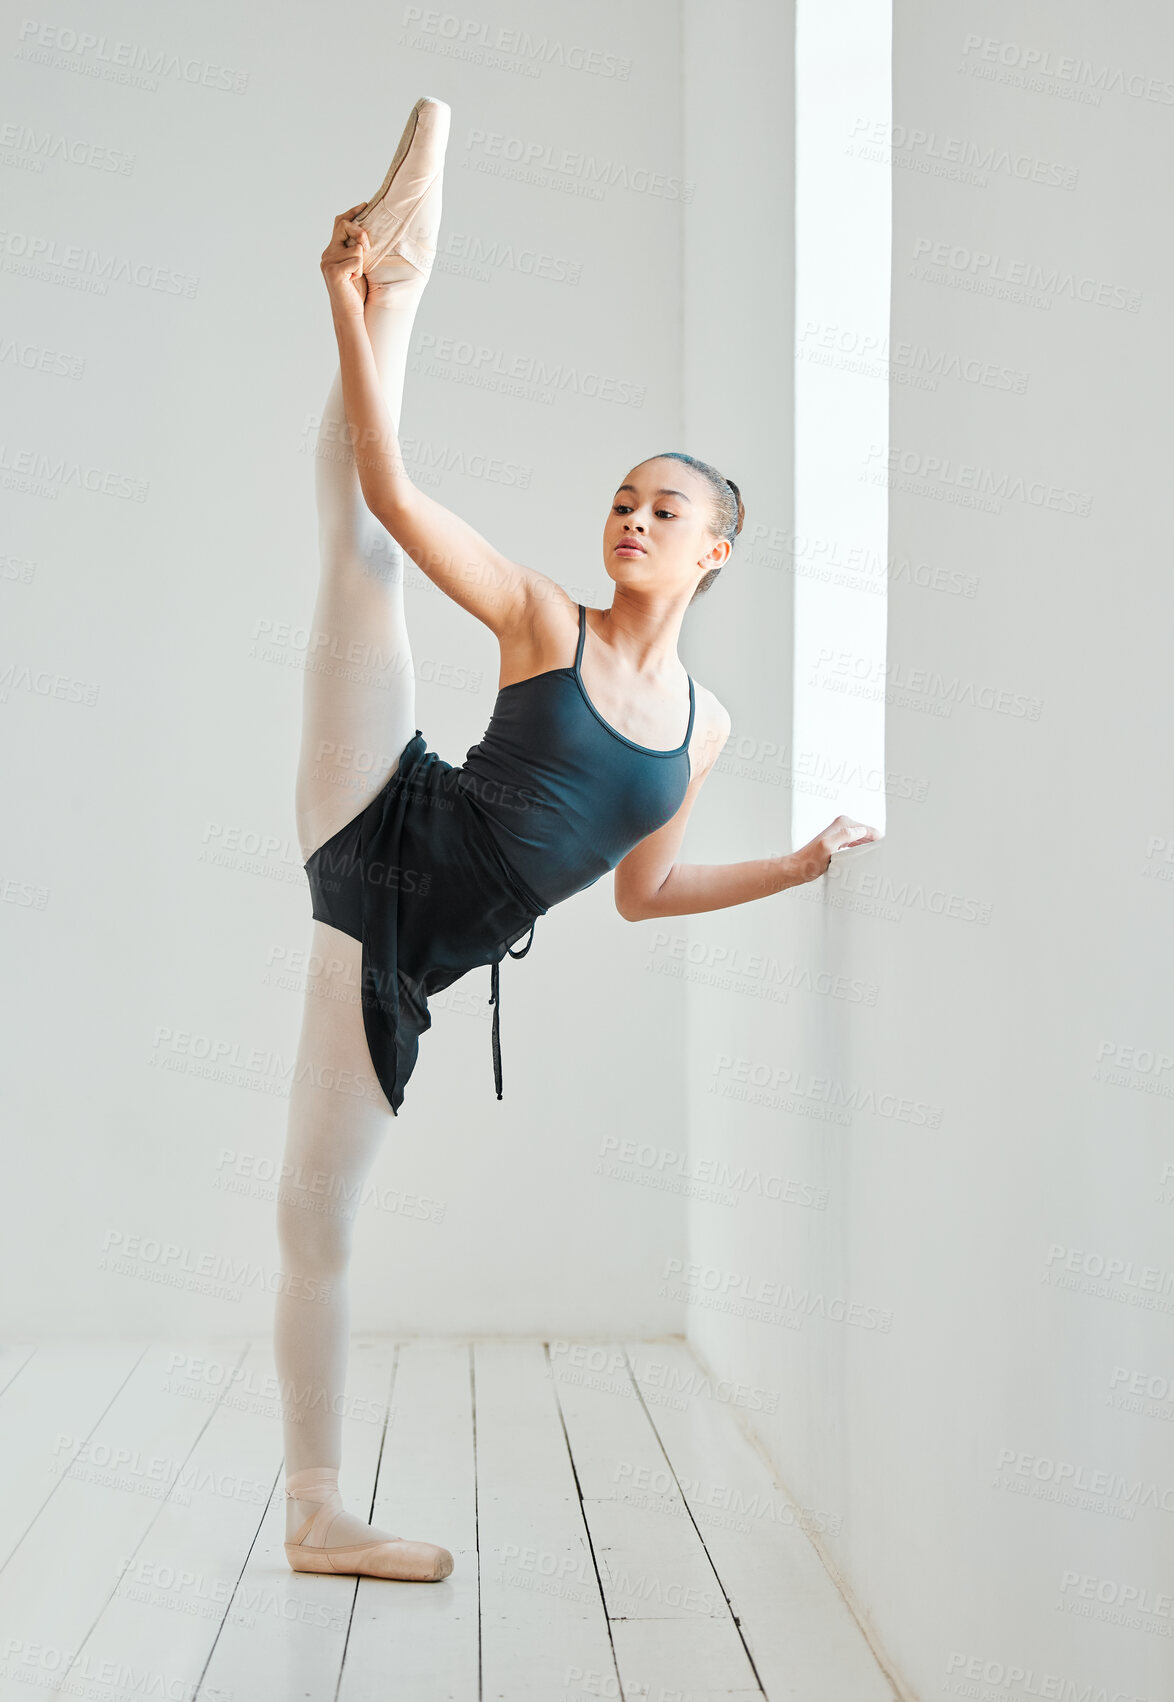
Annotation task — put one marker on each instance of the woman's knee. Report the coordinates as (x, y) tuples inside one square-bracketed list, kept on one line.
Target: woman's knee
[(314, 1240)]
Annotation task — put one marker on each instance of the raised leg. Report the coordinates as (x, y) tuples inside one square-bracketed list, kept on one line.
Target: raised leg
[(359, 691)]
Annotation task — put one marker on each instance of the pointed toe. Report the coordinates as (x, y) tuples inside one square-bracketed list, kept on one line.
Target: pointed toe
[(413, 1562), (403, 216)]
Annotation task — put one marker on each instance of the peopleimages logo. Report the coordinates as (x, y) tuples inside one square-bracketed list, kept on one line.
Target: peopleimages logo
[(874, 354), (121, 61), (994, 273), (667, 1167), (31, 148), (736, 1291), (1070, 1474), (777, 1078), (1133, 1599), (953, 156), (546, 164), (530, 376), (916, 687), (942, 476), (1027, 1681), (26, 252), (490, 44), (1040, 63)]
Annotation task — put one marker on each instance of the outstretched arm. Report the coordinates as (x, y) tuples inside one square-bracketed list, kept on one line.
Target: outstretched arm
[(649, 882), (452, 553)]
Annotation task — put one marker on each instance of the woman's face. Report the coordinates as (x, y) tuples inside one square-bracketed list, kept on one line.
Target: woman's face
[(659, 533)]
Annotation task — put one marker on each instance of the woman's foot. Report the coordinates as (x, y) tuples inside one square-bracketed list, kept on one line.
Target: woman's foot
[(321, 1536), (402, 219)]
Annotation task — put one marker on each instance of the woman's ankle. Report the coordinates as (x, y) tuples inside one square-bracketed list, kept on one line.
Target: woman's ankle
[(392, 282), (307, 1480)]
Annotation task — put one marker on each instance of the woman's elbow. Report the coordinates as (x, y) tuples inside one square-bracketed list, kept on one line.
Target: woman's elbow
[(388, 510), (630, 907), (389, 494)]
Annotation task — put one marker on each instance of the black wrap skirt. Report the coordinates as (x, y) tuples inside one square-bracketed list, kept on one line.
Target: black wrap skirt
[(417, 878)]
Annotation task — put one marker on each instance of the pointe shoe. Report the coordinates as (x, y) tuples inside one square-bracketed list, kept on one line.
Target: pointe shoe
[(393, 1557), (403, 216)]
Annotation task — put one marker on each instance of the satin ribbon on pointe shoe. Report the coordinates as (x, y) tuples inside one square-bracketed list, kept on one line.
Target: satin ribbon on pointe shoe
[(390, 1557)]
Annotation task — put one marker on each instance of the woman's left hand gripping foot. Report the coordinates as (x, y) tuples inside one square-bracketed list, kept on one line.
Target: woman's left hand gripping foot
[(343, 262)]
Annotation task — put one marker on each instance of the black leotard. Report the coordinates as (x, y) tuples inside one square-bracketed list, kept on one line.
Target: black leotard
[(447, 868)]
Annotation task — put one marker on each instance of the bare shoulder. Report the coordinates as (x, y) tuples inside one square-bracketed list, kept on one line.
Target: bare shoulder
[(546, 622), (711, 729)]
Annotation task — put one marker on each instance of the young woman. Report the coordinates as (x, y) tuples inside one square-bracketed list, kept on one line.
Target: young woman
[(420, 871)]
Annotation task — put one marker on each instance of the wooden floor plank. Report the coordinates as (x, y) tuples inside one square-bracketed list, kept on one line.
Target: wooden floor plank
[(542, 1614), (804, 1641), (180, 1583), (14, 1356), (420, 1641), (108, 1491), (296, 1650), (53, 1397), (671, 1625)]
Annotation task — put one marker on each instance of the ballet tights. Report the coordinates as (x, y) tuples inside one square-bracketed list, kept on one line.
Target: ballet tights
[(333, 1135)]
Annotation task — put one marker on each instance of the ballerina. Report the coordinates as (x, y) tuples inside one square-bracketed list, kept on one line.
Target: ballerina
[(421, 870)]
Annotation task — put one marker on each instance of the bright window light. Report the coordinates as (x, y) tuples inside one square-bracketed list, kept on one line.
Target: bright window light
[(843, 241)]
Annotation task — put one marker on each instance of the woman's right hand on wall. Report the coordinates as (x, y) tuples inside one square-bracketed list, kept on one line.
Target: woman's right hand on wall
[(814, 859), (343, 259)]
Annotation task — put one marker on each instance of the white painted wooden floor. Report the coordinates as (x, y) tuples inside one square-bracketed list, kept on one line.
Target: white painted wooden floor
[(614, 1533)]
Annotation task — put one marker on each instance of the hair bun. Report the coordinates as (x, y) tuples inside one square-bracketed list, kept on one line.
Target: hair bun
[(741, 506)]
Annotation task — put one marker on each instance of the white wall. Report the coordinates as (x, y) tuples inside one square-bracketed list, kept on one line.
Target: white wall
[(965, 987), (997, 1501), (131, 909)]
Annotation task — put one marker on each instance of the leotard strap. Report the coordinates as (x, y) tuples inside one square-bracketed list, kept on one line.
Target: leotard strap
[(684, 745)]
